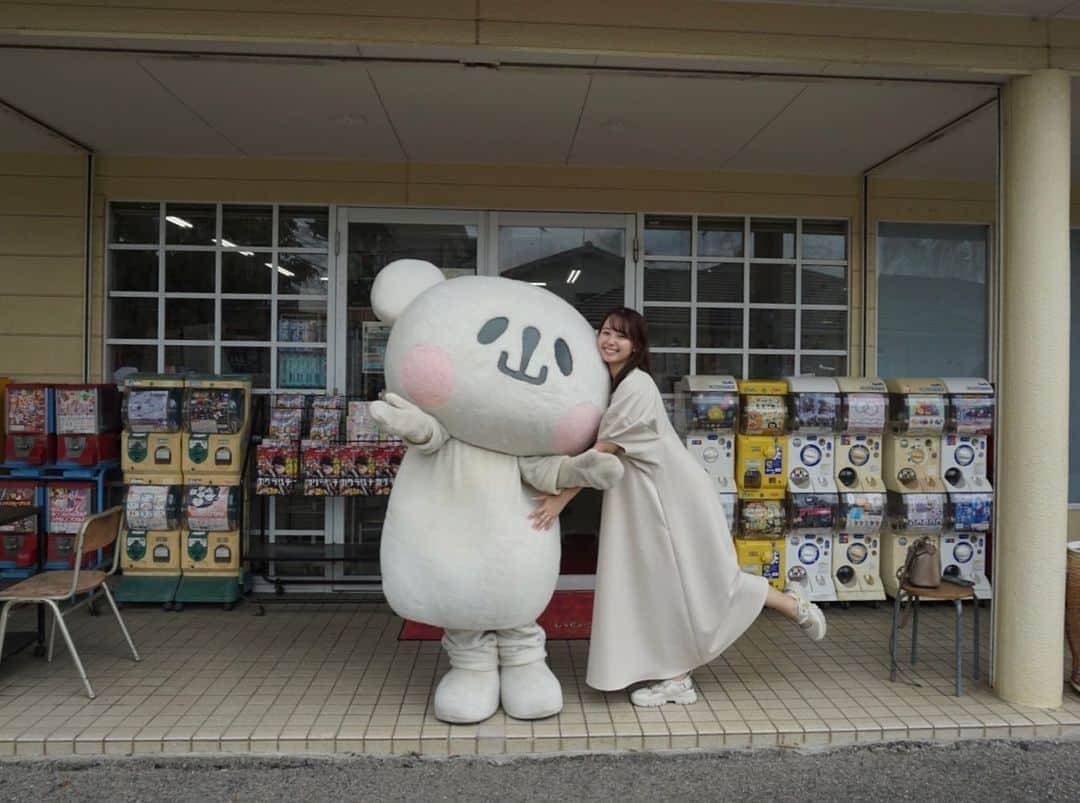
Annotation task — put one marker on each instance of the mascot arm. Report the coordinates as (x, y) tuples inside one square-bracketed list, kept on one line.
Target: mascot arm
[(591, 469), (401, 417)]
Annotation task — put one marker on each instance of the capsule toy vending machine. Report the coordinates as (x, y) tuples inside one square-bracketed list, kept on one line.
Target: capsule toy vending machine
[(87, 424), (706, 416), (210, 541), (217, 424), (965, 449), (30, 418), (761, 479), (864, 415), (152, 411), (68, 505), (813, 415), (4, 382), (19, 539), (911, 454), (150, 543)]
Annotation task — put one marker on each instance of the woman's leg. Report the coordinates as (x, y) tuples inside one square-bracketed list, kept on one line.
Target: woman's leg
[(797, 607), (785, 603)]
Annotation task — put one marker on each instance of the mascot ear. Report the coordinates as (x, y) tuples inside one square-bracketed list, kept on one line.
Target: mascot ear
[(398, 284)]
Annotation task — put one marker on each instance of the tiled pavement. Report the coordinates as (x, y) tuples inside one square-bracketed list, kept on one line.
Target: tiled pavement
[(330, 678)]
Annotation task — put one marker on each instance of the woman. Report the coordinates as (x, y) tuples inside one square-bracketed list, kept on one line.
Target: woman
[(669, 593)]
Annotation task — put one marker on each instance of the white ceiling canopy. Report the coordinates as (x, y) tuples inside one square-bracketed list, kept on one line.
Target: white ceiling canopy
[(609, 112)]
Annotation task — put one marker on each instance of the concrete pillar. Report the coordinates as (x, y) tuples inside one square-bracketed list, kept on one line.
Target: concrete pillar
[(1033, 392)]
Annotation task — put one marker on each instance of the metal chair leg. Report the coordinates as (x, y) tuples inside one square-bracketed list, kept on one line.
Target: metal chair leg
[(71, 648), (914, 629), (895, 633), (975, 605), (958, 604), (3, 626), (52, 640), (120, 620)]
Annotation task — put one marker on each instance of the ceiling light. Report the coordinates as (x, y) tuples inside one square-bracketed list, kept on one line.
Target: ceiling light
[(538, 284), (324, 279), (247, 253), (575, 273), (179, 221), (284, 272), (227, 244)]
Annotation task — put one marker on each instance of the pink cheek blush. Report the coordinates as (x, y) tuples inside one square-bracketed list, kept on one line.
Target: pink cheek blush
[(576, 431), (427, 375)]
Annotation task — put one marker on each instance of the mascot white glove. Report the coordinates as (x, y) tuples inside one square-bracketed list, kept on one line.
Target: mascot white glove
[(399, 416)]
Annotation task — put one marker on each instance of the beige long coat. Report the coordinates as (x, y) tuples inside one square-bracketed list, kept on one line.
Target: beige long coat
[(669, 593)]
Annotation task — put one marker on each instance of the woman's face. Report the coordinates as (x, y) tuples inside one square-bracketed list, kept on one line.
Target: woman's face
[(615, 347)]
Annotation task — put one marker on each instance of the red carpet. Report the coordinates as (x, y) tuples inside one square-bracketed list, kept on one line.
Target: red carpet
[(567, 616)]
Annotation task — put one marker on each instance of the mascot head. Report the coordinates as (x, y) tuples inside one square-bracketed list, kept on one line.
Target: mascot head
[(502, 364)]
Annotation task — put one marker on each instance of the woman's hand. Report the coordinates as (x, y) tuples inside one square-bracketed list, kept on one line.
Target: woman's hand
[(548, 509)]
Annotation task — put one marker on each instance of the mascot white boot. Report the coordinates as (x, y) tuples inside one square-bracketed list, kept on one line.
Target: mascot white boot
[(497, 387)]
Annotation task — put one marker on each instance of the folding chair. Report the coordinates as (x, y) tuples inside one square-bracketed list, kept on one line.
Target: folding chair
[(53, 587)]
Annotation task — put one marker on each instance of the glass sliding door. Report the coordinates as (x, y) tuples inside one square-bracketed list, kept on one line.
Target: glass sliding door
[(588, 261), (370, 239)]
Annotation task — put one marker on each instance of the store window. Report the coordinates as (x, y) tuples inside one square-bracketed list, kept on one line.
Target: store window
[(746, 296), (219, 288), (933, 299), (226, 288)]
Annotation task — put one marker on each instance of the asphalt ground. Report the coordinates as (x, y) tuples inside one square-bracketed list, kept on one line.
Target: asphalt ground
[(955, 772)]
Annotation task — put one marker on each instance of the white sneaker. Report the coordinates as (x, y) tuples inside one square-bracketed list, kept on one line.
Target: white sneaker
[(666, 691), (809, 617)]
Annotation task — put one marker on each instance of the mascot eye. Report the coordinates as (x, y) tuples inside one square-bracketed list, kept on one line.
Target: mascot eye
[(492, 330), (563, 358)]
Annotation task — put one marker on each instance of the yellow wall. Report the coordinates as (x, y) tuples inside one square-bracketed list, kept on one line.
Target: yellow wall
[(42, 199)]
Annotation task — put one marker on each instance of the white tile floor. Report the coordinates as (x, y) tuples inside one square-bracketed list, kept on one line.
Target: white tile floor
[(334, 678)]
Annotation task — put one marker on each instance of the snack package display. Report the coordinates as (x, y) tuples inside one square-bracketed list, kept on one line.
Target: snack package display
[(285, 423), (359, 424), (292, 401), (77, 411), (320, 464), (368, 469), (277, 467), (326, 413)]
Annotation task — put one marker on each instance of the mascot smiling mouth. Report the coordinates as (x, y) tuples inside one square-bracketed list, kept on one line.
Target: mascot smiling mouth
[(530, 339)]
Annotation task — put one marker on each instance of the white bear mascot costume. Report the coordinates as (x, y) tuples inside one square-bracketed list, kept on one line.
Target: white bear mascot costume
[(482, 372)]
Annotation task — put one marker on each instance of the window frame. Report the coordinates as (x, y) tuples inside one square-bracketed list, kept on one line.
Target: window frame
[(274, 344), (695, 260)]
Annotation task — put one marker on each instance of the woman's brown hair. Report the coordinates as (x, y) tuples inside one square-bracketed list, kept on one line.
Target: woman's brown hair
[(631, 324)]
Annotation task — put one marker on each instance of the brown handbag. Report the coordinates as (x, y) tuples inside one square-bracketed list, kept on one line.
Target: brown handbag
[(922, 567)]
